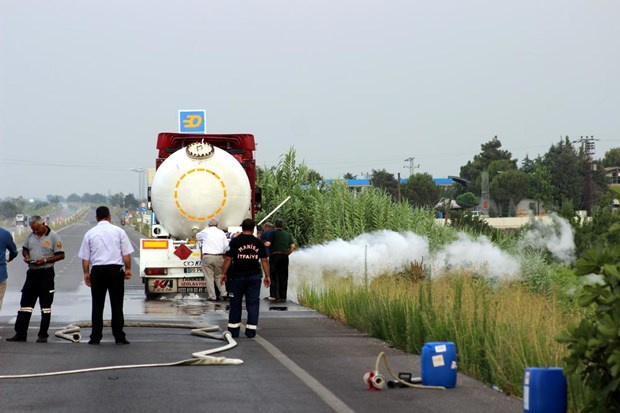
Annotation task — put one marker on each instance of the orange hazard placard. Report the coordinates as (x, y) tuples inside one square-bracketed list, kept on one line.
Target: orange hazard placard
[(154, 244)]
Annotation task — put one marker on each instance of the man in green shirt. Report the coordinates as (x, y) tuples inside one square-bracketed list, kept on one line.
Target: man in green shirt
[(281, 245)]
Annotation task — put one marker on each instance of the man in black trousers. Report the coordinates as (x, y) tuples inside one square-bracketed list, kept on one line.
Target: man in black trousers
[(41, 250), (105, 250)]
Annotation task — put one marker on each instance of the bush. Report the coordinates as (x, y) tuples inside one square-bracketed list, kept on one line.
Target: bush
[(595, 343)]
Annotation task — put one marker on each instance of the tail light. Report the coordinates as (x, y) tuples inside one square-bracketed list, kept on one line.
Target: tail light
[(156, 271)]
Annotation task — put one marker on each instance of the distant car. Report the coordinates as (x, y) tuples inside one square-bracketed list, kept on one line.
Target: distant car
[(21, 219)]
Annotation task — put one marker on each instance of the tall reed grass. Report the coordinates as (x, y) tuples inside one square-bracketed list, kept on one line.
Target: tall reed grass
[(317, 213), (498, 330)]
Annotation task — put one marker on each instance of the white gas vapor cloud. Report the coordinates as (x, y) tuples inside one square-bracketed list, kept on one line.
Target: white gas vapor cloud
[(383, 252), (556, 236)]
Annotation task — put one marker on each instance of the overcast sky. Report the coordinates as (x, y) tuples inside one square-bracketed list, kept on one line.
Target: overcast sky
[(351, 85)]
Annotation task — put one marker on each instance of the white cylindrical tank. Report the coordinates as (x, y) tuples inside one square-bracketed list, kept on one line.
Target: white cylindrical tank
[(197, 183)]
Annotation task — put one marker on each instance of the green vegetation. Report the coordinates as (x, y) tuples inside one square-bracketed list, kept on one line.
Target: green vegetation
[(498, 330), (317, 213), (500, 326), (594, 342)]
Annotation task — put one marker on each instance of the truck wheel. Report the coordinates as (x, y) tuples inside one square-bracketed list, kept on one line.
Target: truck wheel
[(149, 295)]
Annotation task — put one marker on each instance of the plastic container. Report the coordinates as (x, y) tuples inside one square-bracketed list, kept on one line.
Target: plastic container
[(544, 390), (439, 364)]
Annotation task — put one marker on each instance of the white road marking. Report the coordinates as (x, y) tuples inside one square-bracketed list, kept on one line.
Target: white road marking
[(323, 392)]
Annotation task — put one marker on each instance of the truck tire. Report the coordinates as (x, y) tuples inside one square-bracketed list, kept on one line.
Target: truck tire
[(149, 295)]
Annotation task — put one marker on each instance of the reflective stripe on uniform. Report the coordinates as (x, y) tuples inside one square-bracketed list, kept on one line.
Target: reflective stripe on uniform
[(234, 325), (250, 327), (26, 309), (46, 310)]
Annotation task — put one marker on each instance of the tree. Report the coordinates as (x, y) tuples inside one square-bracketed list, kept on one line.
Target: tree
[(612, 158), (94, 198), (131, 201), (467, 200), (117, 200), (489, 152), (421, 190), (539, 187), (508, 188), (55, 199), (8, 209), (527, 165), (312, 177), (384, 180), (349, 175), (566, 172), (74, 198), (500, 165)]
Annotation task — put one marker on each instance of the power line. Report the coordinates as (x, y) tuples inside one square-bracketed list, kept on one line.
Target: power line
[(411, 166)]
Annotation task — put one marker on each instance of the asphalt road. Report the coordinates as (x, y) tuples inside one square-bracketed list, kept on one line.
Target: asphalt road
[(300, 361)]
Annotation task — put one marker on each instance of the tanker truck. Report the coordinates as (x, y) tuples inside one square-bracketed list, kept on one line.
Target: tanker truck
[(197, 177)]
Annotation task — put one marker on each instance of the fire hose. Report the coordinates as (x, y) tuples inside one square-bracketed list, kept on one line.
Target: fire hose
[(201, 358), (376, 380)]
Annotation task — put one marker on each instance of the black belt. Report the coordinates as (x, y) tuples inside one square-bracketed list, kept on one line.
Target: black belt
[(212, 254)]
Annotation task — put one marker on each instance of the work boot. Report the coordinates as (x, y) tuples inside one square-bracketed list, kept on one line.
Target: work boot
[(45, 324), (21, 325), (42, 340), (16, 337)]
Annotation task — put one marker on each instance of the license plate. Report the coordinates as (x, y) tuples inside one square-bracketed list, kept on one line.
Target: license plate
[(192, 270), (191, 290)]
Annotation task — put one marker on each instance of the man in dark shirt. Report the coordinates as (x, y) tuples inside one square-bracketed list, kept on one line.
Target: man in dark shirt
[(242, 269), (6, 244), (281, 246)]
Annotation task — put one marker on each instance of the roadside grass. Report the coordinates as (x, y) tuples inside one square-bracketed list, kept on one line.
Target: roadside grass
[(499, 330)]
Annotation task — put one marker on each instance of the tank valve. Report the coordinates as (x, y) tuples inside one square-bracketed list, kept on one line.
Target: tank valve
[(199, 150)]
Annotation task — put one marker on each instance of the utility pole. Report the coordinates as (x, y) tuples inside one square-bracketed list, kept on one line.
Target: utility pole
[(587, 143), (141, 185), (411, 165)]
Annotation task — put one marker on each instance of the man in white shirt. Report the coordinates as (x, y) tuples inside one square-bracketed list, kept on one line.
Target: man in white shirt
[(214, 244), (105, 250)]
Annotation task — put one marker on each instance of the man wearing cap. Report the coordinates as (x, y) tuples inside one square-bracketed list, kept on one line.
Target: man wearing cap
[(214, 244), (281, 246), (41, 250)]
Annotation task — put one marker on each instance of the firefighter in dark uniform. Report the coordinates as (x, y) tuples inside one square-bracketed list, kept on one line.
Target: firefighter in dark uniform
[(242, 264), (41, 250)]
